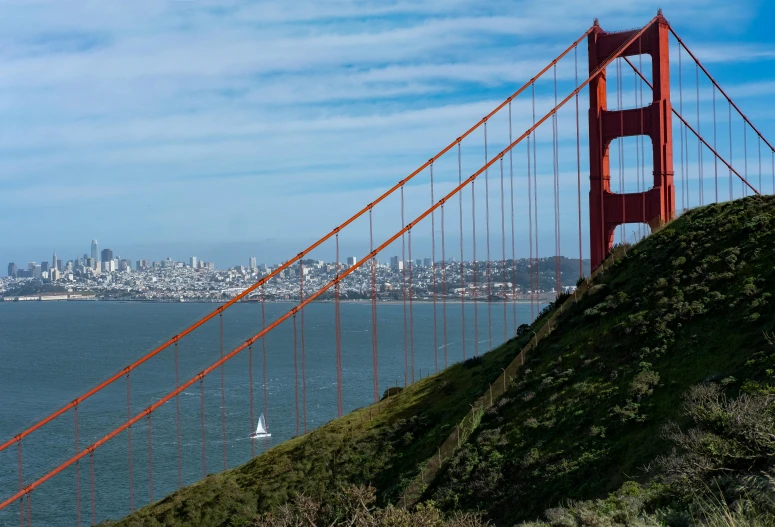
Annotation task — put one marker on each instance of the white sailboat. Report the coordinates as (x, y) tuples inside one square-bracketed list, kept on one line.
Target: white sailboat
[(260, 429)]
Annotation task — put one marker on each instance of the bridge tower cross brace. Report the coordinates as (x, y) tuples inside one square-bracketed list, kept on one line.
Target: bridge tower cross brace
[(655, 206)]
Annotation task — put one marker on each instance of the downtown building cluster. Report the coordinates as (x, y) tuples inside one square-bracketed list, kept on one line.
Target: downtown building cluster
[(94, 264), (106, 277)]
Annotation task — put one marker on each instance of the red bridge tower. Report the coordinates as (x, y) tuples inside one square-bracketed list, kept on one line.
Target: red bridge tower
[(655, 206)]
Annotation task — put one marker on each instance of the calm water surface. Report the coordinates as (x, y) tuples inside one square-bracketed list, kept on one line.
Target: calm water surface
[(52, 352)]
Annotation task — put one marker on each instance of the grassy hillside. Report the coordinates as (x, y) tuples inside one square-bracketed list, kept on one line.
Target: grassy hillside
[(382, 446), (690, 305)]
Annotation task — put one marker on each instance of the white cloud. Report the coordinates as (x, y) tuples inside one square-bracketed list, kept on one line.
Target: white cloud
[(210, 106)]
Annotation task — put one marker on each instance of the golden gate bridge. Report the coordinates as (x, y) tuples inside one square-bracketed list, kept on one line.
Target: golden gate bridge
[(721, 156)]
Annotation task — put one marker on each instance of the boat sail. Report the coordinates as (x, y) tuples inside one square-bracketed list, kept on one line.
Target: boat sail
[(260, 429)]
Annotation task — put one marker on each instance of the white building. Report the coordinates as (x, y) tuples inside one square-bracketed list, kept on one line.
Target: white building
[(351, 261), (193, 262), (252, 266)]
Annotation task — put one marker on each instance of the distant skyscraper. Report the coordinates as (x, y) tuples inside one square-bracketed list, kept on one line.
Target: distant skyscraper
[(396, 264), (44, 267), (107, 255), (95, 253), (54, 260), (12, 270), (252, 265), (351, 260), (418, 263), (193, 262), (428, 262)]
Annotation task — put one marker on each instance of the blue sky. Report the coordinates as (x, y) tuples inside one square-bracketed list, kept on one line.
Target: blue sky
[(230, 129)]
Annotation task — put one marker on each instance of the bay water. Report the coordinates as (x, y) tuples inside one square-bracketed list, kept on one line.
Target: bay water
[(53, 352)]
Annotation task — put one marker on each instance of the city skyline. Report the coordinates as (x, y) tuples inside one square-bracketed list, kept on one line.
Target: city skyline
[(240, 253), (85, 278), (106, 262)]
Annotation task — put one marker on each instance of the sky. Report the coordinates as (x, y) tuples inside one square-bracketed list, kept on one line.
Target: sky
[(233, 129)]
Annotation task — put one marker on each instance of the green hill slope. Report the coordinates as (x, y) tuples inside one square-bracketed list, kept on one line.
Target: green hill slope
[(690, 304)]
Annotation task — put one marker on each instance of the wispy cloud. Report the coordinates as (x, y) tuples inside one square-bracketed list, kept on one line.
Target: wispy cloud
[(152, 110)]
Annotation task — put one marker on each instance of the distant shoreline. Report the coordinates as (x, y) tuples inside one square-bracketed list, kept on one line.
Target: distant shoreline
[(30, 298)]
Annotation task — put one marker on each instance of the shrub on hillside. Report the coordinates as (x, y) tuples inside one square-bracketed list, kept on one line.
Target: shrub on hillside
[(730, 436), (354, 507)]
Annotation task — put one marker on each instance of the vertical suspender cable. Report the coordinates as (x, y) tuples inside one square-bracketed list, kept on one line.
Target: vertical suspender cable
[(433, 276), (29, 509), (129, 440), (202, 414), (296, 372), (642, 186), (462, 261), (715, 133), (530, 231), (556, 168), (444, 283), (511, 213), (411, 304), (487, 232), (578, 162), (403, 292), (759, 145), (77, 470), (177, 418), (93, 500), (250, 394), (530, 218), (476, 303), (374, 357), (745, 157), (684, 168), (150, 461), (263, 366), (338, 320), (620, 102), (21, 483), (731, 191), (700, 169), (535, 197), (223, 395), (503, 257), (303, 347)]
